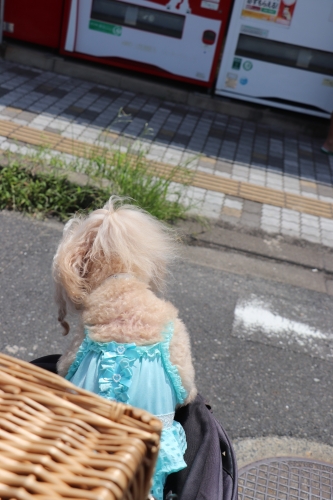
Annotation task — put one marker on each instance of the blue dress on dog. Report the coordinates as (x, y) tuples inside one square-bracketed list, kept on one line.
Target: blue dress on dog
[(142, 376)]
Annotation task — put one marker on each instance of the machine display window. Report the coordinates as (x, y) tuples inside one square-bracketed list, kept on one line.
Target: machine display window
[(285, 54), (135, 16)]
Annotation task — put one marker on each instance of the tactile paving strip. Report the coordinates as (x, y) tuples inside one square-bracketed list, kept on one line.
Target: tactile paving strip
[(286, 479), (199, 179)]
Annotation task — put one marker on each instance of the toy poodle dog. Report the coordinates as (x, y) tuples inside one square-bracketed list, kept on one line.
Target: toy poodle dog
[(132, 347)]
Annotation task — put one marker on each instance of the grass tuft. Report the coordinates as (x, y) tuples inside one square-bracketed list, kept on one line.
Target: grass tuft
[(46, 194), (128, 174), (121, 171)]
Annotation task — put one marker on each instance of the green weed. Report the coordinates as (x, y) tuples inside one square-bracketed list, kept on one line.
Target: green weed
[(46, 194), (129, 175), (121, 171)]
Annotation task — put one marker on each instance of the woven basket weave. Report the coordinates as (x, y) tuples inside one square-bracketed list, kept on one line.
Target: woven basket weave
[(59, 441)]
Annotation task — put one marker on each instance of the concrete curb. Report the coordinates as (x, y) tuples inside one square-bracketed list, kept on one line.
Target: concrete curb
[(269, 117), (255, 449), (305, 255)]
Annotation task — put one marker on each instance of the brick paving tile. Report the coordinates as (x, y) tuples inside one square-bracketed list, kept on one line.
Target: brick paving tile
[(252, 207), (223, 166)]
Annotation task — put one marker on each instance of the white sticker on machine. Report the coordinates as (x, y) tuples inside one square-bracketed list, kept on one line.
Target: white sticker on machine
[(209, 5), (328, 82), (231, 81)]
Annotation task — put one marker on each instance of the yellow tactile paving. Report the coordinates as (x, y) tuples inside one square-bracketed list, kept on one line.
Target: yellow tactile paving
[(309, 205), (19, 135), (251, 191), (199, 179), (7, 127)]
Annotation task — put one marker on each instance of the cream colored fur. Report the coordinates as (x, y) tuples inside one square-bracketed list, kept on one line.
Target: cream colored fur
[(104, 271)]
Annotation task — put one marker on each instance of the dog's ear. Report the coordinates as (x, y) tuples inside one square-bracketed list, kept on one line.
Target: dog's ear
[(72, 262), (62, 307)]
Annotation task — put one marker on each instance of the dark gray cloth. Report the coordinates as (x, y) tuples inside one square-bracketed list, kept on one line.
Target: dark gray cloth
[(211, 472)]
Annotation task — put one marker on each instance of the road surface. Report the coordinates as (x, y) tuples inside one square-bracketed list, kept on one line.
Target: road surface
[(262, 347)]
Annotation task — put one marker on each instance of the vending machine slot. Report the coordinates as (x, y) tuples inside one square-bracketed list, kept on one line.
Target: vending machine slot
[(285, 54), (304, 106), (134, 16)]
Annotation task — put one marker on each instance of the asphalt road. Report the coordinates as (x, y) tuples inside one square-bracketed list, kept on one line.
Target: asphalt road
[(261, 381)]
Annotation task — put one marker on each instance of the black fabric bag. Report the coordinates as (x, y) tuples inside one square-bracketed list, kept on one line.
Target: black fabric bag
[(211, 472), (49, 363)]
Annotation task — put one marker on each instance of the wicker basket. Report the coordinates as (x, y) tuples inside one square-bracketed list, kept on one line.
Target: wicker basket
[(58, 441)]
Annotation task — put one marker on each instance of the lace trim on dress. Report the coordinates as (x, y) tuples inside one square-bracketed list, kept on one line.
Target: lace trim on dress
[(170, 458), (116, 368), (116, 364), (116, 371), (82, 351), (171, 369), (166, 419)]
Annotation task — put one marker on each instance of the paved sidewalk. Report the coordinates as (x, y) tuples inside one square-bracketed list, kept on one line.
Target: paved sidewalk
[(269, 170)]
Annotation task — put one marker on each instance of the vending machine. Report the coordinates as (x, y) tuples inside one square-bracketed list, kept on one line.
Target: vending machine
[(34, 21), (280, 53), (178, 39)]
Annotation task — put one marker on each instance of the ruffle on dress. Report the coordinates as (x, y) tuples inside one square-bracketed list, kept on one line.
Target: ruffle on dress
[(115, 362), (171, 369), (170, 458)]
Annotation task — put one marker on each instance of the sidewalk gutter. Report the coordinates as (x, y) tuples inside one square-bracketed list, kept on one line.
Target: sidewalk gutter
[(121, 79), (277, 248)]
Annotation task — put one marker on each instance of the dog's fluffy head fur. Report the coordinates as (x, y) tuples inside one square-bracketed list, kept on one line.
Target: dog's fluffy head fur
[(119, 238)]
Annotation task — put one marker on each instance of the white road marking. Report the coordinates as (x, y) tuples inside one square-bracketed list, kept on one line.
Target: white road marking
[(257, 319)]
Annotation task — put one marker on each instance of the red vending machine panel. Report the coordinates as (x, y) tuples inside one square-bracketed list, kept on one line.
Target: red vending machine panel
[(35, 21), (178, 39)]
